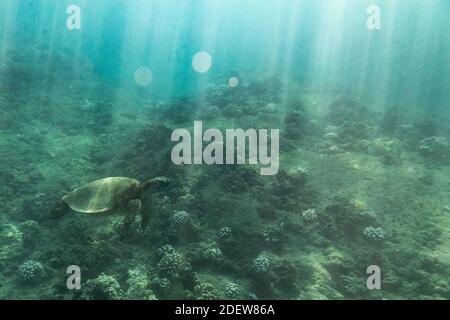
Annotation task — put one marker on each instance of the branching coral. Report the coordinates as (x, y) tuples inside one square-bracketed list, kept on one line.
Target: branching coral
[(30, 271)]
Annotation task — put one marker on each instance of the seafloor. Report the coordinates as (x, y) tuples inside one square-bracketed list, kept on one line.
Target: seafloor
[(356, 187)]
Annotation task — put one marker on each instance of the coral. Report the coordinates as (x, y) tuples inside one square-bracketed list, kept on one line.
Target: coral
[(232, 291), (261, 264), (30, 271), (166, 249), (138, 285), (435, 147), (331, 133), (224, 233), (162, 283), (309, 215), (104, 287), (343, 219), (206, 291), (272, 107), (101, 252), (173, 265), (215, 253), (180, 218), (388, 148), (374, 234)]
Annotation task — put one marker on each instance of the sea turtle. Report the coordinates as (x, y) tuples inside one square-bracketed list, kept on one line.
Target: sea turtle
[(113, 194)]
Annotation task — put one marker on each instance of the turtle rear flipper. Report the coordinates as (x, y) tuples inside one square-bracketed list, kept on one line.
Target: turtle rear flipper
[(132, 209), (146, 212), (59, 210)]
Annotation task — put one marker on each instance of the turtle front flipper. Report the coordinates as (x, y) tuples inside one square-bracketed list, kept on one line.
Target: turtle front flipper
[(146, 195), (155, 184), (132, 208)]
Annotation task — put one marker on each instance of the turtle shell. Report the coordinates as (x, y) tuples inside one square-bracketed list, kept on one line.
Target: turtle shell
[(102, 195)]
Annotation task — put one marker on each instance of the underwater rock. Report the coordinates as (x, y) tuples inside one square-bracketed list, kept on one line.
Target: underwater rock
[(266, 211), (342, 219), (390, 149), (38, 206), (16, 77), (331, 133), (392, 120), (232, 111), (98, 115), (31, 231), (352, 119), (296, 124), (11, 240), (181, 111), (286, 275), (208, 112), (274, 235), (437, 148), (269, 89), (290, 191)]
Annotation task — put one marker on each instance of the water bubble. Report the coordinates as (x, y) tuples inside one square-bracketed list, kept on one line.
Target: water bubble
[(202, 62), (233, 82), (143, 76)]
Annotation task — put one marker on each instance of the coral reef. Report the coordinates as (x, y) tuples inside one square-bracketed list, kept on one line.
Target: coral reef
[(352, 181)]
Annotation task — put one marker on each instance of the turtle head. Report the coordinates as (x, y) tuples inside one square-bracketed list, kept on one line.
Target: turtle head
[(155, 184)]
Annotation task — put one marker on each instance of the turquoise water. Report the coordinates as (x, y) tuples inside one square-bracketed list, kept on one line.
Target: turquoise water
[(95, 89)]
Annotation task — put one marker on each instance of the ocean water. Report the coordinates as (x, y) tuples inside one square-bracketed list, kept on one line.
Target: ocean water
[(325, 176)]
